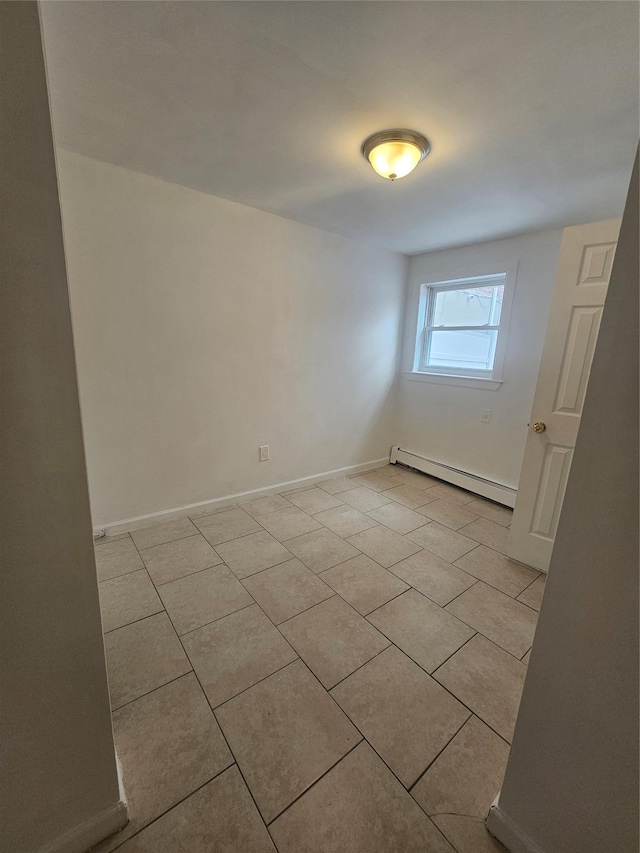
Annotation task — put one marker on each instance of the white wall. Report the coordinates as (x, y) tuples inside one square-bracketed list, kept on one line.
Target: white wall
[(205, 328), (571, 784), (442, 422), (59, 779)]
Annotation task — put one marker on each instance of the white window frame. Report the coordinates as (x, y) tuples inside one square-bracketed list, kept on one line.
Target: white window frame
[(422, 302)]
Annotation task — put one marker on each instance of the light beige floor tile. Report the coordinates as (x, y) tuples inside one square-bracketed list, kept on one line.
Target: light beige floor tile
[(399, 518), (169, 744), (496, 570), (383, 545), (286, 523), (158, 534), (488, 680), (235, 652), (363, 583), (141, 657), (333, 639), (203, 597), (314, 500), (295, 491), (285, 733), (345, 520), (109, 537), (376, 480), (433, 577), (488, 533), (209, 510), (225, 526), (501, 619), (409, 496), (286, 590), (126, 599), (260, 506), (468, 834), (219, 818), (403, 713), (525, 659), (253, 553), (532, 595), (117, 558), (424, 631), (388, 469), (413, 478), (440, 540), (364, 499), (493, 511), (336, 486), (174, 560), (466, 777), (451, 494), (449, 514), (321, 550), (358, 807)]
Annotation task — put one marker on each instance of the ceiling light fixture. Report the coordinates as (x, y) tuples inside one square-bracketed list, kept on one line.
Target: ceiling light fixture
[(395, 153)]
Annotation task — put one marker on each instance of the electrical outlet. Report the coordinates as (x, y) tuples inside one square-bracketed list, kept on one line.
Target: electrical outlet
[(264, 452), (485, 417)]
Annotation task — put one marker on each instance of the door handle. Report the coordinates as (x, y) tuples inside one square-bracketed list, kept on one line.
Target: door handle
[(539, 427)]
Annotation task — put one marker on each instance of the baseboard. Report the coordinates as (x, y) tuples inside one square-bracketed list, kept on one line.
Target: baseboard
[(473, 483), (89, 833), (506, 831), (127, 524)]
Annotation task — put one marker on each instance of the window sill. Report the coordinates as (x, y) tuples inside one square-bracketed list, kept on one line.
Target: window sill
[(452, 379)]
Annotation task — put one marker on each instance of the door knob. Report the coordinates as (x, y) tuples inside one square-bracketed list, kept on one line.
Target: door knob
[(539, 426)]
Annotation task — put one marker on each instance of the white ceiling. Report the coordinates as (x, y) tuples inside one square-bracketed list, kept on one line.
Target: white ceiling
[(531, 107)]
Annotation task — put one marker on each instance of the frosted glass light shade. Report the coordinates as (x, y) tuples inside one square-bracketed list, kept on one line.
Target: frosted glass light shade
[(395, 153)]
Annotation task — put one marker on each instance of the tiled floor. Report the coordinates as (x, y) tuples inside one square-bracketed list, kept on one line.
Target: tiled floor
[(336, 669)]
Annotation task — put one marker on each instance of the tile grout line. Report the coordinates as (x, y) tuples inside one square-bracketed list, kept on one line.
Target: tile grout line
[(221, 730), (135, 621), (327, 691), (213, 621), (315, 782), (215, 708), (390, 569), (165, 812), (475, 713), (357, 669), (435, 758), (153, 690), (363, 738), (477, 630), (355, 725)]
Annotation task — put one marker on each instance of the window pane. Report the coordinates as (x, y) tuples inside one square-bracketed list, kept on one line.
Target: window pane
[(469, 306), (466, 350)]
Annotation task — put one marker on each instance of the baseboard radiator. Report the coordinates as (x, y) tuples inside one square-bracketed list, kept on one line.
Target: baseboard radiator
[(478, 485)]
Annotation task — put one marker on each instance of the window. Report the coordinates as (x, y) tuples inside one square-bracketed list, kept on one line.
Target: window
[(461, 327)]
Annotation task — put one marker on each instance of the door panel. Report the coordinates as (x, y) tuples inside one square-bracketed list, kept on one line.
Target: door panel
[(574, 373), (553, 480), (597, 260), (584, 267)]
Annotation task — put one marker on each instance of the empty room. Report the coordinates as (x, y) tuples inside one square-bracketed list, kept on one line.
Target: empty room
[(320, 396)]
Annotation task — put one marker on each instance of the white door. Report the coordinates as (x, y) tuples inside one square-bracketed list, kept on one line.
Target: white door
[(584, 268)]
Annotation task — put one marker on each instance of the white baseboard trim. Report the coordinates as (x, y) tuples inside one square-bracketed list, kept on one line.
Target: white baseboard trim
[(506, 831), (89, 833), (127, 524), (478, 485)]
